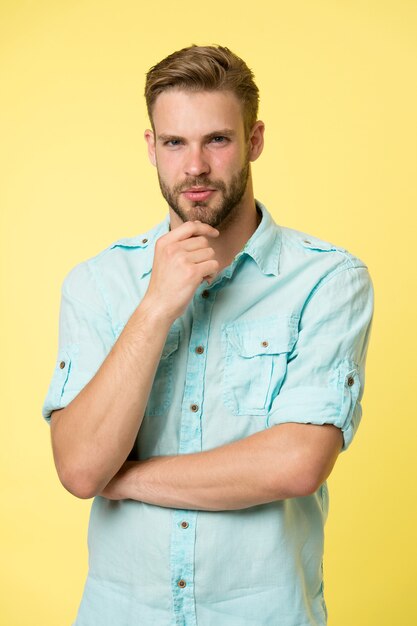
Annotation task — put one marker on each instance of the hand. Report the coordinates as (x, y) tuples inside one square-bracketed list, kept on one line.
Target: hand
[(182, 260)]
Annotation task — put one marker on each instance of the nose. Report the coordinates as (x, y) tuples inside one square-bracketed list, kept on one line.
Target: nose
[(196, 163)]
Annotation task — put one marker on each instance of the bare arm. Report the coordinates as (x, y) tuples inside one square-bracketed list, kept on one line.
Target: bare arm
[(93, 435), (284, 461)]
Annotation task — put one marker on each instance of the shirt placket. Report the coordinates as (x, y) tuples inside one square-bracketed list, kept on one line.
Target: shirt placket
[(183, 532)]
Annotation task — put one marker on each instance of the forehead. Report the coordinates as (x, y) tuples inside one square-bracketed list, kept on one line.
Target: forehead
[(187, 112)]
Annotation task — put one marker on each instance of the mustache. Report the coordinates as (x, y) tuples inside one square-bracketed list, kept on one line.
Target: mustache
[(199, 181)]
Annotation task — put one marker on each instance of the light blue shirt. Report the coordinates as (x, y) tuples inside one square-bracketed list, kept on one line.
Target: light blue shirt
[(281, 335)]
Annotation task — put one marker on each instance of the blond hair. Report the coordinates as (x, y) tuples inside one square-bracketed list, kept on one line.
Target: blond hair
[(205, 68)]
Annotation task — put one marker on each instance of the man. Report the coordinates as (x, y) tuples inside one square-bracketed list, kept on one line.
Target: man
[(209, 373)]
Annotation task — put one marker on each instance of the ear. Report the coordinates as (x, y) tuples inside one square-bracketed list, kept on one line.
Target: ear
[(150, 140), (256, 140)]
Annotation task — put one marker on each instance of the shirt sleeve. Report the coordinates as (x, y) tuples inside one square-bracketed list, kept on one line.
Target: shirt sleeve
[(325, 376), (85, 338)]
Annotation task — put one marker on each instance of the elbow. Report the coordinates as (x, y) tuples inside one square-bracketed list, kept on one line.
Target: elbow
[(77, 485), (310, 478), (79, 491), (307, 484), (302, 478), (313, 473), (76, 479), (307, 462), (73, 472)]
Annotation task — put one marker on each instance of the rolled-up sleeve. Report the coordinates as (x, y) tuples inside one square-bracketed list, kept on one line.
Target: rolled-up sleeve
[(325, 376), (85, 338)]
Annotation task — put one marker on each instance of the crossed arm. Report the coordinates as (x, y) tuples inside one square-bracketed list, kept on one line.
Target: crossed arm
[(284, 461)]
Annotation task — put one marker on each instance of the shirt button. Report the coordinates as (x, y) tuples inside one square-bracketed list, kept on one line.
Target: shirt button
[(181, 583), (144, 240), (194, 407), (205, 293), (350, 381), (199, 349), (265, 344), (184, 524), (62, 365)]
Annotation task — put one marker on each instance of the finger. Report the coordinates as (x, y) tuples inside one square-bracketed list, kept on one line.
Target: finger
[(192, 229), (195, 243), (203, 254), (209, 268)]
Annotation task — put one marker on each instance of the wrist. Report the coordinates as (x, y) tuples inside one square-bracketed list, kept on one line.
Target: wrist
[(154, 314)]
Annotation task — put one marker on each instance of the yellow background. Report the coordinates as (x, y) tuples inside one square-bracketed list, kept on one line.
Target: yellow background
[(338, 97)]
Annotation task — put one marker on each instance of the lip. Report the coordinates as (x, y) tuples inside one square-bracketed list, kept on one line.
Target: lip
[(198, 193)]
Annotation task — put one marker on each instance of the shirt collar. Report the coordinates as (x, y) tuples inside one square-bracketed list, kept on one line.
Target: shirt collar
[(264, 246)]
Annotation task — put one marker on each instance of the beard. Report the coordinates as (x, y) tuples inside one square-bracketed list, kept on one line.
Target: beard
[(223, 212)]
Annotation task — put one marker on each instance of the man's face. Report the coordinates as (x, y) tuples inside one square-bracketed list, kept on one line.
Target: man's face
[(201, 154)]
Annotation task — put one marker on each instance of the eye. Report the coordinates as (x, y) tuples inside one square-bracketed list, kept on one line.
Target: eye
[(219, 139), (172, 142)]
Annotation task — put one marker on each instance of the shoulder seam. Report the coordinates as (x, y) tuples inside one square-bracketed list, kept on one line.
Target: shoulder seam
[(66, 291), (334, 273), (296, 241)]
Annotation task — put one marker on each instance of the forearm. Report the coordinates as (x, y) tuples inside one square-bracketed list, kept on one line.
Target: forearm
[(270, 465), (94, 434), (190, 481)]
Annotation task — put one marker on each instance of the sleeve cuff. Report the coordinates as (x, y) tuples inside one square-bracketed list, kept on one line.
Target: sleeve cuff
[(339, 406)]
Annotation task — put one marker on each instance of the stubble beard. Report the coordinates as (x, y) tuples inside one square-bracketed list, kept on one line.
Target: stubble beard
[(221, 213)]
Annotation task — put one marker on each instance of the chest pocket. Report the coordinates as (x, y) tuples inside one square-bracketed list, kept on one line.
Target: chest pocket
[(256, 355), (161, 393)]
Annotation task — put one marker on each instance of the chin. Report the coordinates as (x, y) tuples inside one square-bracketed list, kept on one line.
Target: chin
[(198, 211)]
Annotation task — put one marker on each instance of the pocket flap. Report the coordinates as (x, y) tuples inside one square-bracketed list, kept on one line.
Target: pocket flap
[(274, 336)]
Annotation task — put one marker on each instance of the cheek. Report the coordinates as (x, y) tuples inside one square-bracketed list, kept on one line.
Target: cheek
[(226, 162), (167, 169)]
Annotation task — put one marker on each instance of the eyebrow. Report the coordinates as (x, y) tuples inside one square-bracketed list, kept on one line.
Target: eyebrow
[(224, 132)]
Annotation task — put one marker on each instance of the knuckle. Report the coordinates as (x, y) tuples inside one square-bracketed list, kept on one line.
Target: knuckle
[(204, 241), (159, 242), (189, 273), (190, 226), (170, 249), (182, 262)]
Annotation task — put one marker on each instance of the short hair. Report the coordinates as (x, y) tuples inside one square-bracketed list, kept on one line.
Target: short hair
[(205, 68)]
